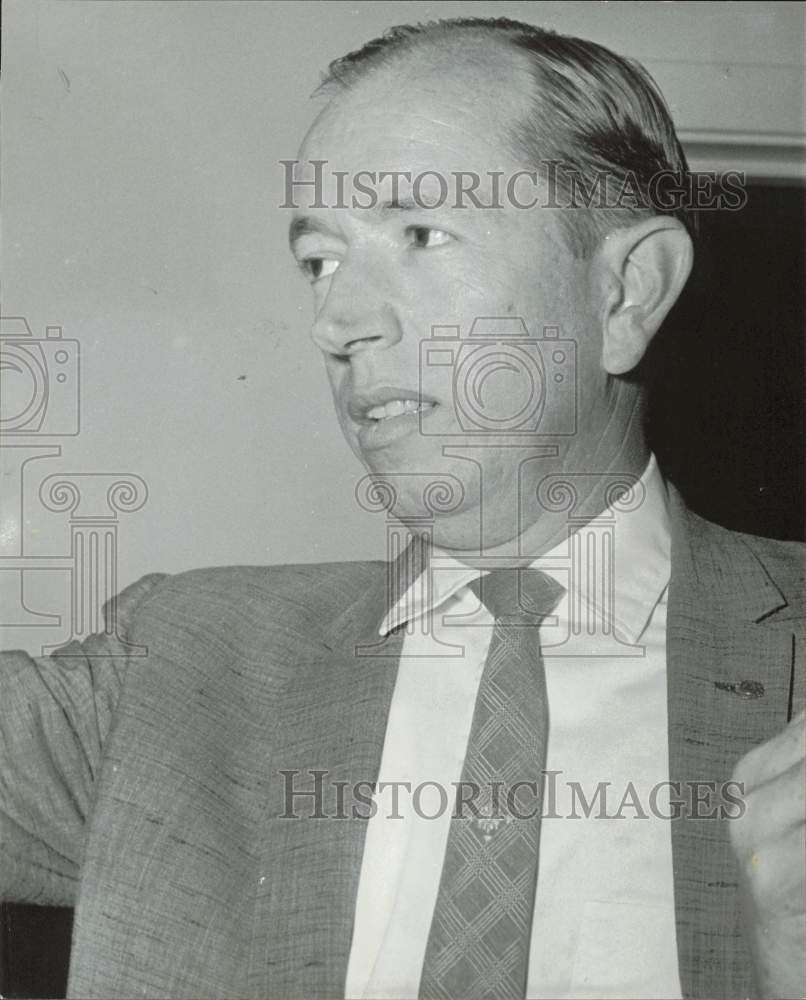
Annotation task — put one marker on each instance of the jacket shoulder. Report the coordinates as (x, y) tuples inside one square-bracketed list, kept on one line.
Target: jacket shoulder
[(292, 585), (240, 602)]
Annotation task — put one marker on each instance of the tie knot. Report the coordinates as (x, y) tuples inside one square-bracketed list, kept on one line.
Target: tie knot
[(524, 595)]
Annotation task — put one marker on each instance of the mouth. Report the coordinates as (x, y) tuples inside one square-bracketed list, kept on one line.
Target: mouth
[(387, 413), (388, 403), (397, 408)]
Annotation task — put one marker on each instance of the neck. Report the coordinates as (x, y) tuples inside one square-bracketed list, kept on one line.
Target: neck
[(554, 505)]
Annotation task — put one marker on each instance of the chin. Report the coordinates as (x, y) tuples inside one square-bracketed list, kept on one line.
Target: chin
[(409, 458), (421, 483)]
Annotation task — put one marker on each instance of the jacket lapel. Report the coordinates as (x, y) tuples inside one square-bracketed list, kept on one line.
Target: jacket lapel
[(331, 718), (728, 690)]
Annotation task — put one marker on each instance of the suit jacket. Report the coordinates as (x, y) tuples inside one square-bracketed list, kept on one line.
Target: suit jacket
[(140, 779)]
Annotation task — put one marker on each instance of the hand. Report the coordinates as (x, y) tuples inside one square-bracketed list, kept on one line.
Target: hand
[(769, 841)]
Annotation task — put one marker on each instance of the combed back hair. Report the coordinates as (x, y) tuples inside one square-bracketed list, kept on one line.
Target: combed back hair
[(597, 116)]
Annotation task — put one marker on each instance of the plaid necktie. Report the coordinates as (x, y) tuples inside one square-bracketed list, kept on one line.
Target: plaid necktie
[(478, 946)]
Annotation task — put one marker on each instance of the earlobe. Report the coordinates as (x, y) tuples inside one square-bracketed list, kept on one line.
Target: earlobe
[(647, 266), (626, 340)]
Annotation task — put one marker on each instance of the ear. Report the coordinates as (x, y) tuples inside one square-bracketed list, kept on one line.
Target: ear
[(643, 269)]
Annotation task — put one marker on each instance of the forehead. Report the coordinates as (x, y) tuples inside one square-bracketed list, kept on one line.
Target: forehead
[(438, 109)]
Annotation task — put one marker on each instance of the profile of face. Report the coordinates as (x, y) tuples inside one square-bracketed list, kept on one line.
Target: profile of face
[(384, 277)]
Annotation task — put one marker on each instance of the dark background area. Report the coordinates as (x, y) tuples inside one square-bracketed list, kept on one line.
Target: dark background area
[(728, 412), (727, 422), (34, 950)]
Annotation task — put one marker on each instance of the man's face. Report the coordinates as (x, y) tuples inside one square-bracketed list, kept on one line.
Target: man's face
[(382, 278)]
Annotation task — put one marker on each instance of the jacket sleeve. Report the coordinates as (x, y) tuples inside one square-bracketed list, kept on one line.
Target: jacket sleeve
[(55, 714)]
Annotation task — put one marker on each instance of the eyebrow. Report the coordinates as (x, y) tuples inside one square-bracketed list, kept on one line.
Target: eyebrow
[(302, 225), (397, 205)]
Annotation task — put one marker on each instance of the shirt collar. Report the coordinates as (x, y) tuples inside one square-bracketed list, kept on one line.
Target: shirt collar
[(641, 565)]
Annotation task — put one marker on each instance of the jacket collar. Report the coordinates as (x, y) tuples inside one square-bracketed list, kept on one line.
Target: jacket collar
[(723, 568)]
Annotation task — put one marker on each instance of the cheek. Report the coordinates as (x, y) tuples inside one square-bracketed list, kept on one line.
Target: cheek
[(335, 376), (455, 290), (504, 469), (336, 372)]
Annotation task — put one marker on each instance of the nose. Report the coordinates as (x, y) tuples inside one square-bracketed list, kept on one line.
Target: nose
[(355, 315)]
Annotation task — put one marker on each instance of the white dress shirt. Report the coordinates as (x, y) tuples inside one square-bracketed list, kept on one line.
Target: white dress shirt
[(604, 918)]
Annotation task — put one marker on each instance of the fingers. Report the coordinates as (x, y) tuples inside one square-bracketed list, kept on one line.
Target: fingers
[(770, 845), (766, 762), (772, 808), (774, 873)]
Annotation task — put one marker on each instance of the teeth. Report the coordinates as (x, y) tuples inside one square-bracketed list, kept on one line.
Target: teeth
[(395, 408)]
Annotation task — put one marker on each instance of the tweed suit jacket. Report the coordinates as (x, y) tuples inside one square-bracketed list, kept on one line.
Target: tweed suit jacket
[(140, 779)]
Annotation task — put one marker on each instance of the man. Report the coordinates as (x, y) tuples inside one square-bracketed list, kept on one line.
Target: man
[(184, 799)]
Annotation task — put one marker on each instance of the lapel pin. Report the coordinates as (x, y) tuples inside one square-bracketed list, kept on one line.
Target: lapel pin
[(744, 689)]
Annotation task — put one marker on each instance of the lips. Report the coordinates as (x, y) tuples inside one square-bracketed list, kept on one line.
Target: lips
[(387, 414), (383, 403)]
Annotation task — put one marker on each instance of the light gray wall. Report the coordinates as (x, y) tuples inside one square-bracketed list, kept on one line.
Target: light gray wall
[(141, 188)]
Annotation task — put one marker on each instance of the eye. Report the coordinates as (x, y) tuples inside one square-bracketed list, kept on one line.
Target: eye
[(315, 268), (424, 237)]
